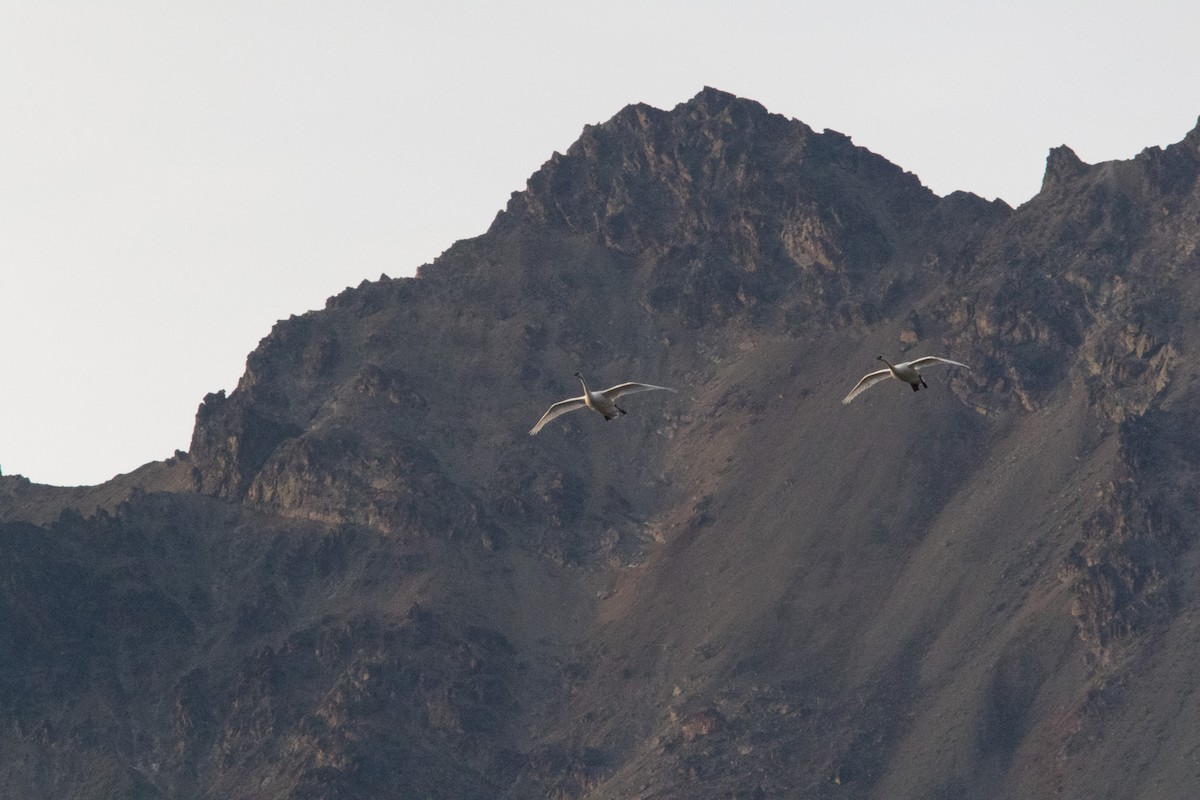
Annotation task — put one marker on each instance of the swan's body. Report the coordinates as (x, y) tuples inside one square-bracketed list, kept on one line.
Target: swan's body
[(604, 403), (907, 371)]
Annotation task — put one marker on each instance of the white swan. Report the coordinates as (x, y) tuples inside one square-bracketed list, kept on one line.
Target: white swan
[(604, 402), (907, 371)]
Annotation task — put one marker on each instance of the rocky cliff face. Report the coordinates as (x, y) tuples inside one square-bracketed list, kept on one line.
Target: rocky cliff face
[(365, 580)]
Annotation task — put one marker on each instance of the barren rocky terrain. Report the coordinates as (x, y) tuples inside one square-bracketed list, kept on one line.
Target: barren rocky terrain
[(365, 580)]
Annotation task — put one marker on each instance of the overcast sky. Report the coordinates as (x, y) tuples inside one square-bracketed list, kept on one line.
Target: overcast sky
[(176, 176)]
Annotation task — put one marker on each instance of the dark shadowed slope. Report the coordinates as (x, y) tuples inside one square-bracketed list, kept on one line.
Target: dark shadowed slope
[(375, 584)]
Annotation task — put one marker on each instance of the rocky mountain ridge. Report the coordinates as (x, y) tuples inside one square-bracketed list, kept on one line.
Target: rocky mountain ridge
[(365, 580)]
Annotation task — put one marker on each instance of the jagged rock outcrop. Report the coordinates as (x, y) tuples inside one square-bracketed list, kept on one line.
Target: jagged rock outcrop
[(365, 580)]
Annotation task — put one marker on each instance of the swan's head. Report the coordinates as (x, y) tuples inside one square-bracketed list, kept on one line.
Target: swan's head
[(879, 358), (578, 374)]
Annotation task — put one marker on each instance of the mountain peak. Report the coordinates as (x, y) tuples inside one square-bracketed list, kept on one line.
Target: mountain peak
[(649, 180), (1062, 164), (716, 101)]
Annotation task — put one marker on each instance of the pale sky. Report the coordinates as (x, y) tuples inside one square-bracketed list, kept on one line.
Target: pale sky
[(177, 176)]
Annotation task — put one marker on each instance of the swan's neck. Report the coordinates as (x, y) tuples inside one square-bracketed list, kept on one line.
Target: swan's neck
[(584, 383), (889, 364)]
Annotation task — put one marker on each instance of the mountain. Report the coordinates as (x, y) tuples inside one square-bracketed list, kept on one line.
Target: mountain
[(364, 579)]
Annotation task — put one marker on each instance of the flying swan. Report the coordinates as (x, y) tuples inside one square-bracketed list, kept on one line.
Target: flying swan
[(907, 371), (604, 402)]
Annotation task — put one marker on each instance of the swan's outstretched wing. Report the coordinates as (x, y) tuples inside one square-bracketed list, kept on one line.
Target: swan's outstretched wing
[(868, 380), (613, 392), (557, 410), (925, 361)]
